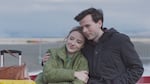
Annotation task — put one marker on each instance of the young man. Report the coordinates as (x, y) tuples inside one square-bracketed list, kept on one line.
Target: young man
[(111, 55)]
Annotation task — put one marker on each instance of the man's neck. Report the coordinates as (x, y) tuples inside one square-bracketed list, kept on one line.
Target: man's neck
[(98, 36)]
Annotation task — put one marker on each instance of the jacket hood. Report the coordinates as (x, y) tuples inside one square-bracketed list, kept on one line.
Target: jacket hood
[(110, 31), (107, 34)]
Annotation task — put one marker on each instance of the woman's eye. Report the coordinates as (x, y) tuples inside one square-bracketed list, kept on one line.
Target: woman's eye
[(71, 38), (79, 42)]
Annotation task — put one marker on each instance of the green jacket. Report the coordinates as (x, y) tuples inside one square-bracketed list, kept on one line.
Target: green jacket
[(59, 69)]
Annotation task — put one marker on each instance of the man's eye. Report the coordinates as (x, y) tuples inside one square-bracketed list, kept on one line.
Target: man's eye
[(87, 26)]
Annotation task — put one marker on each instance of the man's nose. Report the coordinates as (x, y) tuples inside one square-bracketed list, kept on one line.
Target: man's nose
[(84, 29)]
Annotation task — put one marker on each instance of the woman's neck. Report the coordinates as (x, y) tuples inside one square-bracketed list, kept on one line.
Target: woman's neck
[(70, 54)]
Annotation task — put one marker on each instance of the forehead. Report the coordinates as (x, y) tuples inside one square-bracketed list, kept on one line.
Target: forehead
[(86, 20), (76, 35)]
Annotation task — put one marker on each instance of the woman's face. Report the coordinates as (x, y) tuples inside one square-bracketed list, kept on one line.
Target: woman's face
[(75, 42)]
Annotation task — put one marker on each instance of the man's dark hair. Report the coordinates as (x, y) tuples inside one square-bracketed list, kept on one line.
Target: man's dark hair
[(97, 14)]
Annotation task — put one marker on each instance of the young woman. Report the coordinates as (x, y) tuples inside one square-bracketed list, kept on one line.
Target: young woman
[(67, 64)]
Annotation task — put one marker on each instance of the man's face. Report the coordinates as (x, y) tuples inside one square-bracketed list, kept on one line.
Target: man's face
[(90, 28)]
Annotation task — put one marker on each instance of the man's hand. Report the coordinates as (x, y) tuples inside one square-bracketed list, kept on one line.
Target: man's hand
[(82, 75), (45, 58)]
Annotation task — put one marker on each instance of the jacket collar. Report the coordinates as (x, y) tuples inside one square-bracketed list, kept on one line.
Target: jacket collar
[(62, 53), (106, 35)]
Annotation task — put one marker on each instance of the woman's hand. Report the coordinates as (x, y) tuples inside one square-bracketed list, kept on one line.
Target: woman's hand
[(82, 75)]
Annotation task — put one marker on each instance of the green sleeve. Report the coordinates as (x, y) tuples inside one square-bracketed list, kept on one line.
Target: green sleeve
[(83, 64), (39, 79), (61, 83), (77, 81), (52, 73)]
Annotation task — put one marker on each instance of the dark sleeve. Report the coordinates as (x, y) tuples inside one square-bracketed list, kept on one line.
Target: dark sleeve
[(131, 60), (42, 64)]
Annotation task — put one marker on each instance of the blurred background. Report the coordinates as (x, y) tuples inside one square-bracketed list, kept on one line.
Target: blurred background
[(33, 50), (33, 26), (54, 18)]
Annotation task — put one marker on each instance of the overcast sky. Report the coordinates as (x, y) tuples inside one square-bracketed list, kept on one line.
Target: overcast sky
[(54, 18)]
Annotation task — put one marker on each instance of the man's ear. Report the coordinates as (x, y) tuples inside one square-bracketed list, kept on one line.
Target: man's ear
[(100, 23)]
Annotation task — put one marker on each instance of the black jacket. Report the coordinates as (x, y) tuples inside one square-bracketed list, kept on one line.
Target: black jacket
[(113, 60)]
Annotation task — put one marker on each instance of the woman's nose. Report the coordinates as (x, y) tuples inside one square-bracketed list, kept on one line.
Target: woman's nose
[(73, 42)]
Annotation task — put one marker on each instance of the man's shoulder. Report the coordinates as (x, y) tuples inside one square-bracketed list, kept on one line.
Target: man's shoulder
[(120, 38), (119, 35), (113, 33)]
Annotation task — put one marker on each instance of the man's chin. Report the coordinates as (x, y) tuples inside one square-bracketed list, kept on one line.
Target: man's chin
[(89, 38)]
